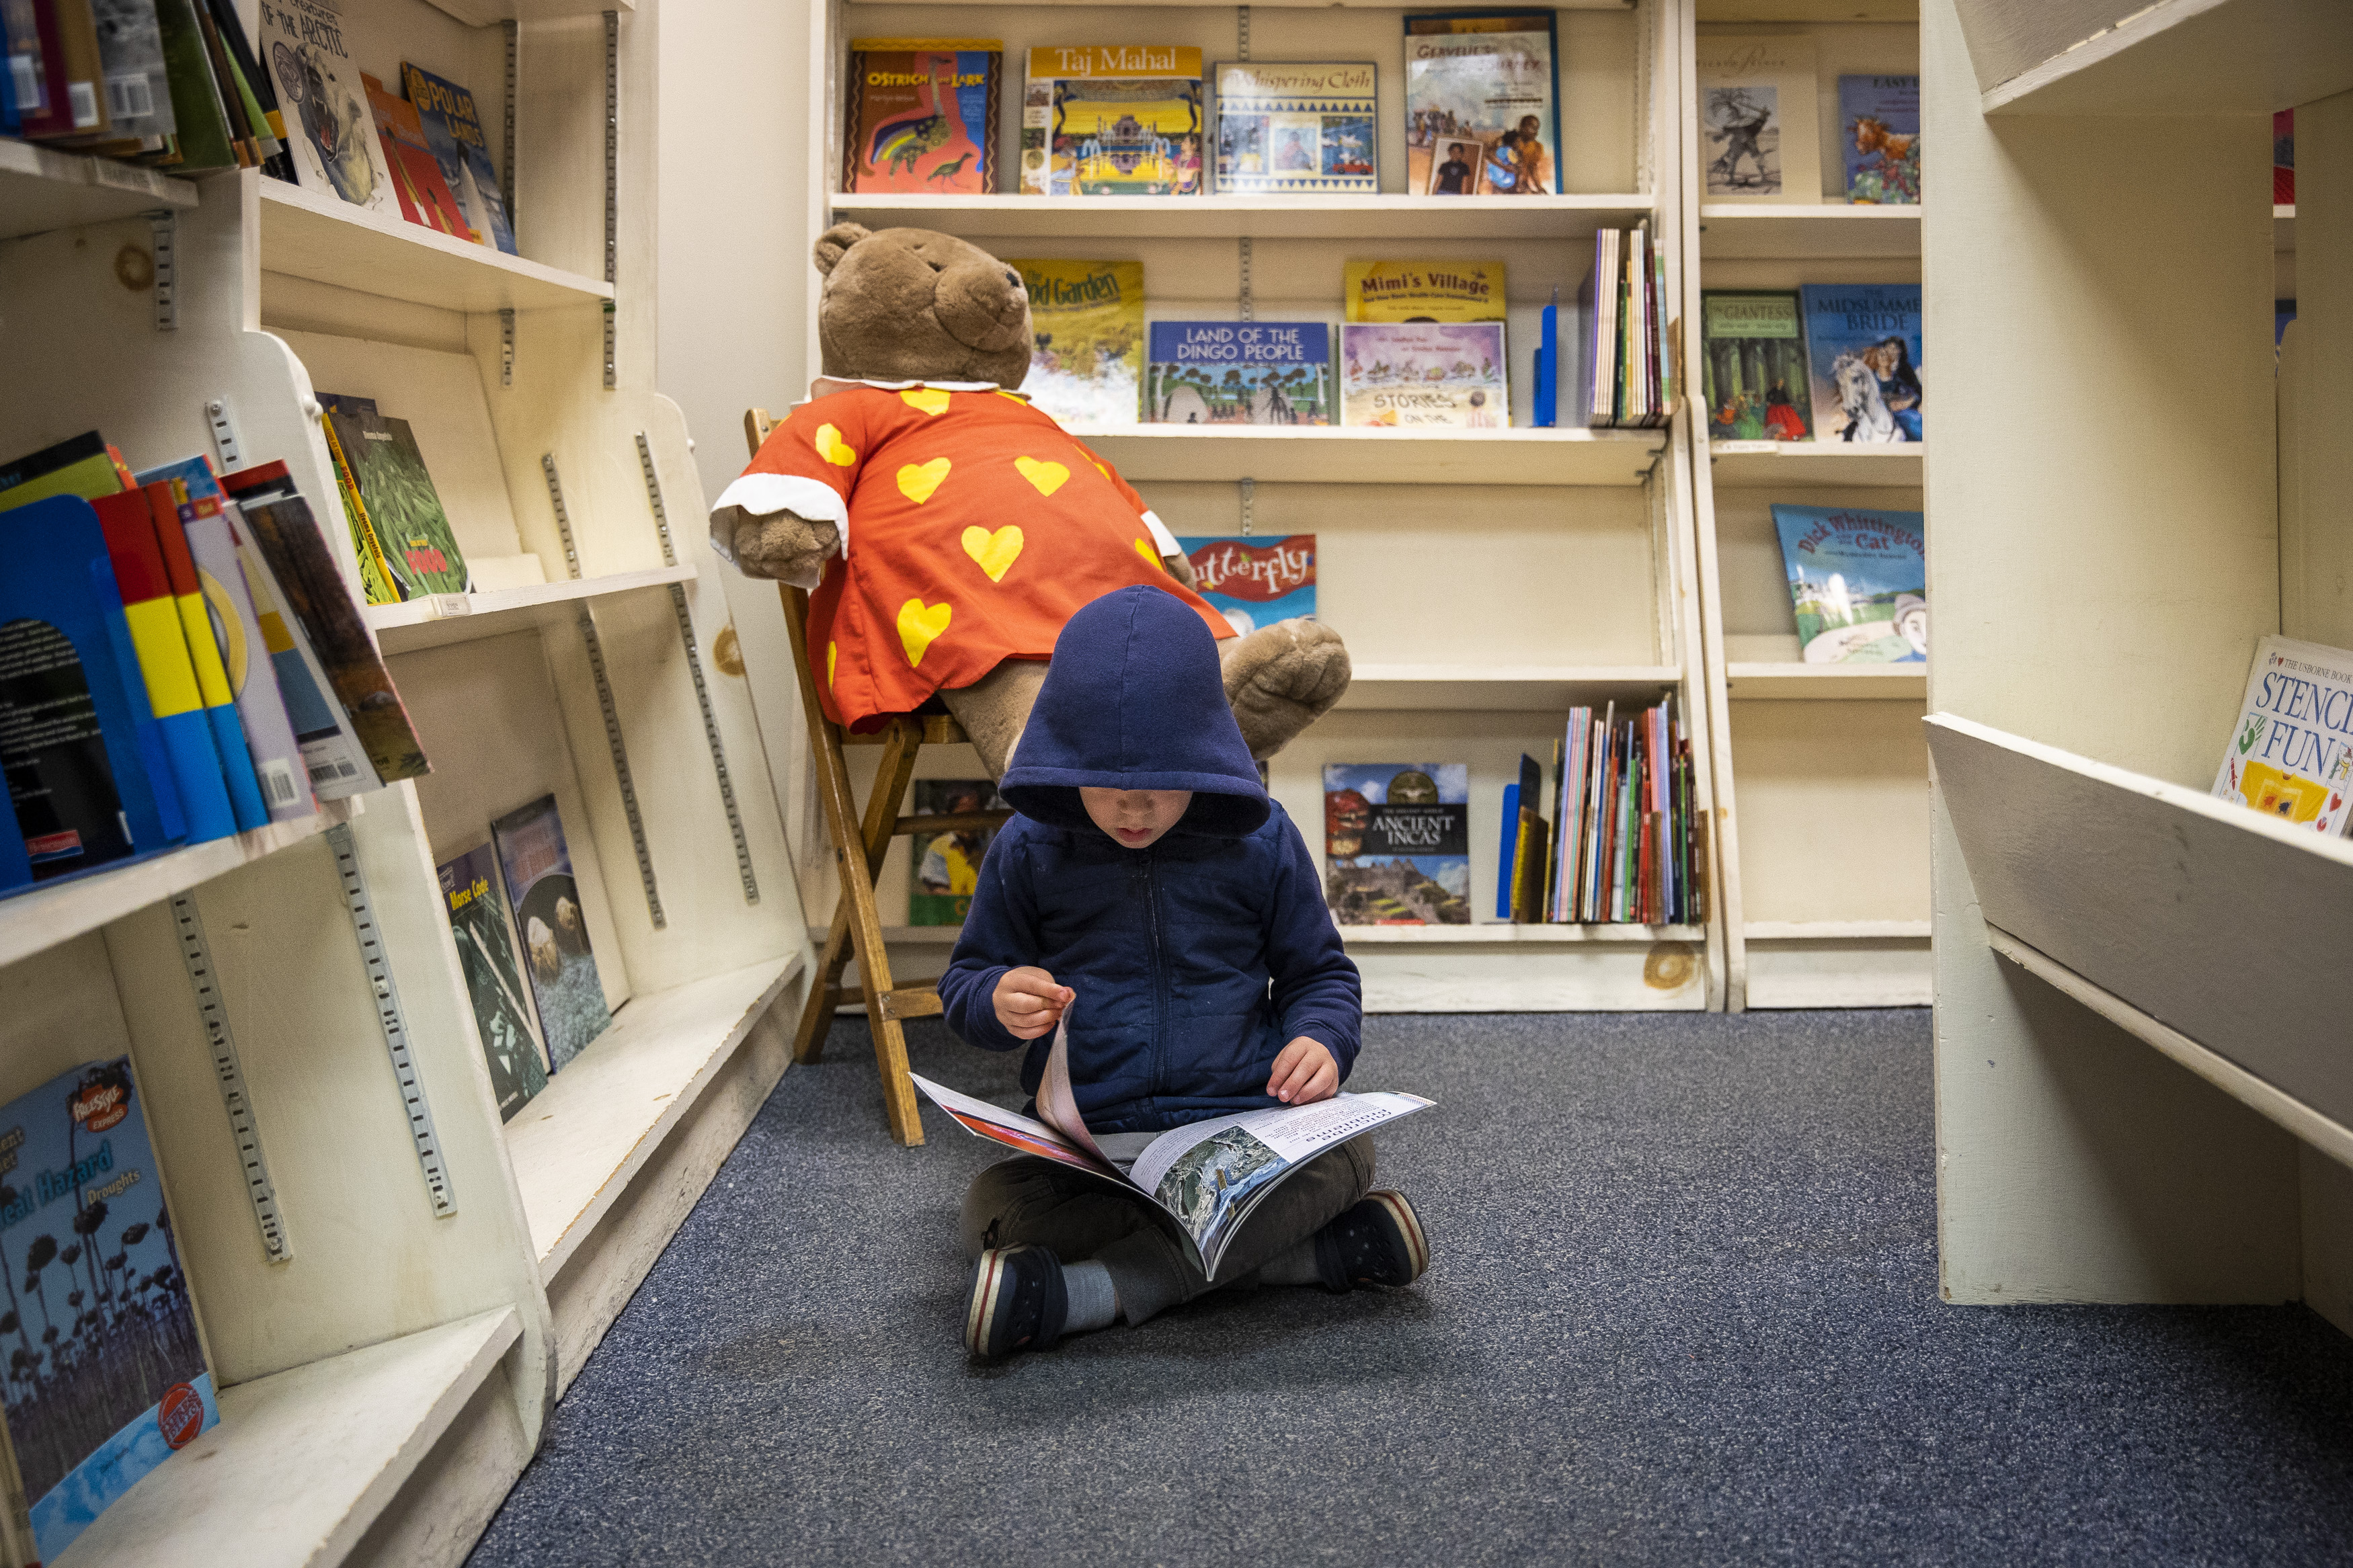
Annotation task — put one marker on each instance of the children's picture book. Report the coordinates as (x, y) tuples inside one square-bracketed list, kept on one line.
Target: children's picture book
[(920, 114), (424, 196), (1239, 373), (403, 511), (1859, 581), (1879, 121), (199, 107), (1296, 126), (1481, 103), (2290, 756), (336, 152), (1410, 374), (1422, 290), (1254, 582), (110, 1378), (565, 988), (166, 502), (1396, 843), (1206, 1176), (1086, 357), (1862, 344), (453, 129), (1112, 120), (1753, 357), (379, 584), (1759, 137), (486, 954), (2284, 158), (130, 51), (947, 865)]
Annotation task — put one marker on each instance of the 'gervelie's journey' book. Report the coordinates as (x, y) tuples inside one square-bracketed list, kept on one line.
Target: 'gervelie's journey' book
[(1859, 581), (1239, 373), (2291, 752)]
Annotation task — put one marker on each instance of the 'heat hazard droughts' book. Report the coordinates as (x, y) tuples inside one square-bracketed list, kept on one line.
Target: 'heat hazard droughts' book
[(1396, 843), (1409, 374), (1294, 127), (1859, 581), (1086, 353), (106, 1375), (1239, 373), (565, 986), (920, 114), (2291, 752), (1254, 582), (486, 953), (1862, 341)]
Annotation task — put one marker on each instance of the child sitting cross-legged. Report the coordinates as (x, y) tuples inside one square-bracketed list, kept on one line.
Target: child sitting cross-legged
[(1150, 888)]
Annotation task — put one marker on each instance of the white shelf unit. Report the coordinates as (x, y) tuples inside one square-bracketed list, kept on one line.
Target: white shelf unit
[(399, 1365), (1821, 775), (2101, 923), (1475, 617)]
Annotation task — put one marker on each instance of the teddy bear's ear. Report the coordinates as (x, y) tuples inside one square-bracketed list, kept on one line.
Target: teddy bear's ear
[(834, 242)]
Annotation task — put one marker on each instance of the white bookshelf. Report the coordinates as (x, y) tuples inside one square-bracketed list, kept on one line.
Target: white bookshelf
[(1763, 231), (398, 1365), (1339, 454)]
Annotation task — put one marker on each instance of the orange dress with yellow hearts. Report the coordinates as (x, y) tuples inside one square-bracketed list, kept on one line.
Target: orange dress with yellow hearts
[(972, 527)]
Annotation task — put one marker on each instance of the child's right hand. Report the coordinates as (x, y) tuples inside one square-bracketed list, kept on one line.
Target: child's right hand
[(1028, 1003)]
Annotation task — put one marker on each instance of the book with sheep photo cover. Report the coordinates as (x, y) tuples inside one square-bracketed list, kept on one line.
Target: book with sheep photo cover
[(2290, 756), (1859, 581), (1206, 1176), (566, 988)]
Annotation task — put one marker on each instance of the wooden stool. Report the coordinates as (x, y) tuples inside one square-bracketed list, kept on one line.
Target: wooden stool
[(860, 840)]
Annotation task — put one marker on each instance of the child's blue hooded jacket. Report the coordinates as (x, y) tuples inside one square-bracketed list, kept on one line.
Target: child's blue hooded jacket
[(1195, 960)]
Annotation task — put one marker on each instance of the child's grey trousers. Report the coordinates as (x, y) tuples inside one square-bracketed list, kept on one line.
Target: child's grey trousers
[(1030, 1201)]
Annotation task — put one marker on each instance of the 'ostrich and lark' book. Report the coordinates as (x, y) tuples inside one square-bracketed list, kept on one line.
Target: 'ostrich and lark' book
[(564, 985), (1112, 120), (1239, 373), (1206, 1176), (1296, 126), (1859, 581), (2291, 752), (1396, 843), (920, 114), (1862, 341), (1254, 582), (113, 1380)]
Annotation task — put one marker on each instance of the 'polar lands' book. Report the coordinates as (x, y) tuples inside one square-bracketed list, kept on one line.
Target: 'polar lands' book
[(328, 120), (1410, 375), (1296, 126), (1481, 103), (564, 985), (1396, 843), (1112, 120), (1859, 581), (2291, 752), (920, 114), (1086, 355), (1254, 582), (1862, 341), (1239, 373), (1757, 130), (453, 129)]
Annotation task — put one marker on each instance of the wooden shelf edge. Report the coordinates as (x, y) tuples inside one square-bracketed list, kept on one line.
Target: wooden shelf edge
[(426, 622), (1780, 683), (1491, 932), (115, 190), (1836, 931), (540, 284)]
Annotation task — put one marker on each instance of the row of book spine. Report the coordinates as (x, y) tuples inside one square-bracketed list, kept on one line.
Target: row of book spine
[(1628, 381), (1622, 846)]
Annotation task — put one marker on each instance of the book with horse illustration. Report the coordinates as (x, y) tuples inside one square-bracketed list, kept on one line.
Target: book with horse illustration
[(920, 114), (1879, 119), (1862, 342)]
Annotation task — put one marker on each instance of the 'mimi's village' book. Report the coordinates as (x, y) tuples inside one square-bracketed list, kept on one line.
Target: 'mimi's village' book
[(1859, 583), (920, 114), (1112, 120), (1481, 103), (2291, 752), (1423, 375), (1239, 373), (1396, 843), (1254, 582), (1423, 291), (1086, 358), (1297, 127)]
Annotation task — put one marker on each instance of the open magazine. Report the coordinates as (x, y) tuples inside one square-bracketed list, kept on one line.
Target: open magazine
[(1206, 1176)]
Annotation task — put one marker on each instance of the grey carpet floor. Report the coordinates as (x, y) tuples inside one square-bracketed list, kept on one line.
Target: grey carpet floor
[(1681, 1310)]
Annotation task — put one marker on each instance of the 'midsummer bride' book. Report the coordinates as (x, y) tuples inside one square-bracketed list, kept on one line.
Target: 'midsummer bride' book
[(1859, 579), (2291, 752)]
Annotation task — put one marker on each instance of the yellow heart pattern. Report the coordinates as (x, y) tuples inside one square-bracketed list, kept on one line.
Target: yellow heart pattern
[(917, 481), (996, 551), (920, 626), (1046, 477), (832, 652), (929, 399), (833, 448), (1151, 556)]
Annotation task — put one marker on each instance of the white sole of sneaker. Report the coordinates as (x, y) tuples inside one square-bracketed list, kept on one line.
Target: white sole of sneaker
[(1408, 1224), (989, 1284)]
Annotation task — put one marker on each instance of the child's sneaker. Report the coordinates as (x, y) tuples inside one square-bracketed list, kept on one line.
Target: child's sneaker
[(1378, 1242), (1019, 1303)]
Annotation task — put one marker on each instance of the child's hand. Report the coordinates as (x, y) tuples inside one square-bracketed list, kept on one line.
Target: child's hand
[(1304, 1073), (1028, 1003)]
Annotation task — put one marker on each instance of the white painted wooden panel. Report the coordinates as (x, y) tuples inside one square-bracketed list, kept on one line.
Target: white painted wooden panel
[(2316, 465), (1509, 978), (1729, 232), (2175, 56), (1850, 973), (444, 618), (1347, 455), (1833, 810)]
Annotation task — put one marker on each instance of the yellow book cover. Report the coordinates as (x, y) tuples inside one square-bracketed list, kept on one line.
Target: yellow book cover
[(1086, 355), (1112, 120), (1425, 291)]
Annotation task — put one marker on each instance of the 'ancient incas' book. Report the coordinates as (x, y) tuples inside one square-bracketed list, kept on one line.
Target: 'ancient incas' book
[(1758, 130), (1396, 843), (1297, 127), (1859, 583), (2291, 752), (1862, 342), (1879, 117), (1086, 359), (330, 125), (486, 954), (566, 988), (1753, 360), (1410, 375), (1423, 291), (920, 114), (1239, 373), (1482, 104), (1206, 1176), (1112, 120)]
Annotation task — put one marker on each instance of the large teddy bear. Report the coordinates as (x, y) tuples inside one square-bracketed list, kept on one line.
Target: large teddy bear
[(947, 528)]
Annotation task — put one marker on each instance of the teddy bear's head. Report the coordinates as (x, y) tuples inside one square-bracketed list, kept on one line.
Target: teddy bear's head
[(907, 304)]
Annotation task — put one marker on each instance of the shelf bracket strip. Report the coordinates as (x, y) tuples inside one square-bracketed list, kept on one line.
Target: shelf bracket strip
[(612, 175), (164, 231), (506, 348), (202, 977), (513, 30)]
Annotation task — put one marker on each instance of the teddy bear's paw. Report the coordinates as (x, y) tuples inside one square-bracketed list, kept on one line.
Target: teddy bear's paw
[(1180, 566), (781, 546), (1282, 678)]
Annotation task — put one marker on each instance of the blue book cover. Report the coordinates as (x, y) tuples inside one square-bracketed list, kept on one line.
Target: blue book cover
[(1507, 851), (1864, 351), (453, 129), (1254, 582), (1396, 843), (107, 1376), (1879, 122), (1859, 581), (564, 985), (1237, 372)]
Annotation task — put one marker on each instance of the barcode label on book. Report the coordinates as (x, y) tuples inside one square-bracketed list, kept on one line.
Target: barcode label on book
[(82, 99), (25, 81), (127, 97), (329, 772), (278, 786)]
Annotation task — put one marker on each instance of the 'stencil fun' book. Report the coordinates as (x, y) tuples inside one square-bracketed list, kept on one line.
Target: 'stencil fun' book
[(2290, 756)]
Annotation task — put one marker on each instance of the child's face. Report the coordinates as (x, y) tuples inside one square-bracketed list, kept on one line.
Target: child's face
[(1134, 817)]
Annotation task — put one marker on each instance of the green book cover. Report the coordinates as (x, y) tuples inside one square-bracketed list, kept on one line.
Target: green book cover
[(402, 509), (486, 953)]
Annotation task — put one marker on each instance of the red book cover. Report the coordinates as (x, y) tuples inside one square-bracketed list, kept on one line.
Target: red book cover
[(425, 196), (2284, 158)]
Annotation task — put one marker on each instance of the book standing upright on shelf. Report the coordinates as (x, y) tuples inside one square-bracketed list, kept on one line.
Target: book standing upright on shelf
[(1879, 122), (1112, 120), (920, 114), (336, 152), (1254, 582), (1422, 290), (565, 989), (453, 129), (1753, 365), (1482, 103), (424, 196), (1239, 373), (486, 953), (945, 867), (1757, 130), (402, 510), (130, 51), (2290, 754), (1297, 127), (1396, 843), (1421, 374), (1858, 581), (1863, 343), (1086, 359)]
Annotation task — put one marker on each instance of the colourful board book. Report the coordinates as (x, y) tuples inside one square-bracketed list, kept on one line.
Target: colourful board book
[(1481, 103), (77, 466), (2290, 756), (453, 129), (1239, 373), (920, 114), (336, 152), (1859, 581), (564, 985), (425, 195), (1419, 375), (1254, 582), (1862, 344), (121, 1385), (164, 498), (486, 954), (402, 512), (1879, 121), (947, 865), (1112, 120), (1423, 291), (1753, 363), (1396, 842), (1757, 130), (1296, 126), (1086, 359)]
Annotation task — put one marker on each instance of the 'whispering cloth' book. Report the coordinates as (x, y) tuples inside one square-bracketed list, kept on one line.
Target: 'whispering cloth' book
[(920, 114), (1879, 121), (1254, 582), (486, 954), (948, 865), (1863, 343), (1423, 291), (453, 129), (333, 129), (1239, 373), (1396, 843), (1086, 357), (1756, 117), (112, 1383), (1419, 375), (1206, 1176), (1859, 581), (565, 984), (2291, 752), (1112, 120), (1753, 360), (1481, 103), (1296, 126)]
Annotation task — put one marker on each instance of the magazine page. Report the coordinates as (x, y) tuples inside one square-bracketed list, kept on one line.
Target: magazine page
[(1013, 1130), (1208, 1175), (1057, 1105)]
